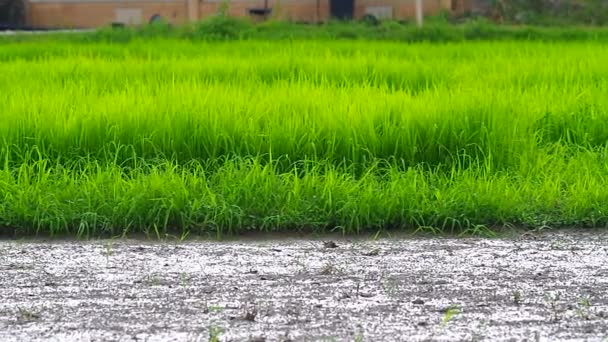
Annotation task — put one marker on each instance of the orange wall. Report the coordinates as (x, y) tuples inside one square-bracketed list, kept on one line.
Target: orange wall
[(401, 8), (95, 13), (296, 10)]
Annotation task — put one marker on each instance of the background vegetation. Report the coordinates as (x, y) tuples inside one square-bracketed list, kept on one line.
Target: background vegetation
[(547, 12), (439, 29)]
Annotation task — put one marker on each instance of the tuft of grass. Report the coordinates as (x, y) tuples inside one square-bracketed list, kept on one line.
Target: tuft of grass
[(583, 308), (215, 333), (517, 297), (26, 316), (450, 313)]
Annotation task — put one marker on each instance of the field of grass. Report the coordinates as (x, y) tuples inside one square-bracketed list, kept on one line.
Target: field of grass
[(167, 136)]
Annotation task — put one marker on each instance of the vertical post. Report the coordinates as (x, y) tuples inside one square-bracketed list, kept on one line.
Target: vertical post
[(318, 14), (193, 9), (419, 14)]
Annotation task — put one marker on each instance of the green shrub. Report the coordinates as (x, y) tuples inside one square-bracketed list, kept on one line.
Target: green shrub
[(221, 27)]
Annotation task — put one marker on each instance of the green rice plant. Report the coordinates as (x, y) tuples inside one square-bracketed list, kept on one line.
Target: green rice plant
[(177, 137)]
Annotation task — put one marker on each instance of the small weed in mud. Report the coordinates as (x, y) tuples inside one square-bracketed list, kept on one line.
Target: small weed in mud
[(25, 316), (585, 302), (153, 281), (184, 279), (449, 314), (583, 309), (552, 300), (330, 269), (215, 333), (213, 308), (517, 297)]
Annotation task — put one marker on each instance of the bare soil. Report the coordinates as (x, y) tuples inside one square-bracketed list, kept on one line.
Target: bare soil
[(535, 287)]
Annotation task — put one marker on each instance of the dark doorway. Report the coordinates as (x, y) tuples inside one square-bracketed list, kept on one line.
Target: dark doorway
[(12, 14), (342, 9)]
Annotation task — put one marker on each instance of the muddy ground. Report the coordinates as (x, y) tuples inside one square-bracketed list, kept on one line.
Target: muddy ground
[(549, 286)]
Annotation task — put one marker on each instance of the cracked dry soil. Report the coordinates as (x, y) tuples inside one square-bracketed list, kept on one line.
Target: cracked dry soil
[(541, 287)]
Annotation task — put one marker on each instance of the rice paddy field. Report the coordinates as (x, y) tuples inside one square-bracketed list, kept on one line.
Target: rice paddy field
[(177, 137)]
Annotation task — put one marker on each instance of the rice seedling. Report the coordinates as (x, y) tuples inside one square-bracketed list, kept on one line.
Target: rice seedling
[(173, 137)]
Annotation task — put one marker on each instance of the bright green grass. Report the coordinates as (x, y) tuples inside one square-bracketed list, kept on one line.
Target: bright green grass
[(168, 136)]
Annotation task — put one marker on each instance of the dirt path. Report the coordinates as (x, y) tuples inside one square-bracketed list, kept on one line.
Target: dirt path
[(549, 287)]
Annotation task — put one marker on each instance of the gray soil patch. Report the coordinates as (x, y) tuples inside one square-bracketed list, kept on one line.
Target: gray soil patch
[(533, 287)]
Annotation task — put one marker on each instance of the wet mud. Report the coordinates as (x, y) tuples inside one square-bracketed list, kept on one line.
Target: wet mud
[(534, 287)]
